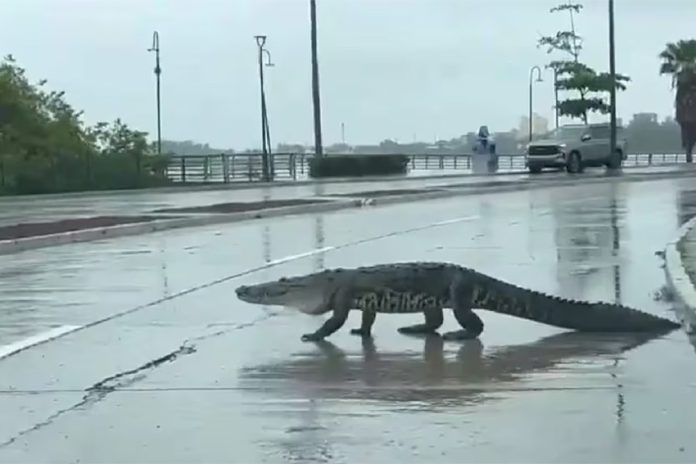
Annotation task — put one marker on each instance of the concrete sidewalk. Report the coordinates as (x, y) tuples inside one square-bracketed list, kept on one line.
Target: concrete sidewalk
[(56, 207), (41, 208)]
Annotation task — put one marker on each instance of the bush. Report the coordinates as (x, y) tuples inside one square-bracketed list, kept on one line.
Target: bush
[(19, 175), (357, 165)]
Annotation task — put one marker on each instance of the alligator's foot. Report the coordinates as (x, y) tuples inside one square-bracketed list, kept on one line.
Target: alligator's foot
[(313, 337), (459, 335), (362, 332), (417, 329)]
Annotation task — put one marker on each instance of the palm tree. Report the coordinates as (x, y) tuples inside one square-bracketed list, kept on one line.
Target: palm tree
[(679, 60)]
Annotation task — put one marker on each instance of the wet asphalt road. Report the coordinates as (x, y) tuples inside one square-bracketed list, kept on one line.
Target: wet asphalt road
[(202, 377)]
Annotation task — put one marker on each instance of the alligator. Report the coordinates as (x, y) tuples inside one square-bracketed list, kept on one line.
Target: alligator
[(428, 287)]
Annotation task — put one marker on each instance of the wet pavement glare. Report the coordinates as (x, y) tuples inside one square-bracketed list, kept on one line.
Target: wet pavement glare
[(169, 367)]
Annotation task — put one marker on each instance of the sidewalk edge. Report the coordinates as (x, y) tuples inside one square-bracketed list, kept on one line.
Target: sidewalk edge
[(678, 280)]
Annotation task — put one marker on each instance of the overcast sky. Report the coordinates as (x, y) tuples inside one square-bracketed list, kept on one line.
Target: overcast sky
[(388, 68)]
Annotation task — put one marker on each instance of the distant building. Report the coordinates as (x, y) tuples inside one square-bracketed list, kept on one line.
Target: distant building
[(540, 126), (649, 118)]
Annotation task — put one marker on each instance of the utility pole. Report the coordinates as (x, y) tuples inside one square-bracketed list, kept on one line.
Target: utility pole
[(318, 150), (612, 73), (265, 132), (156, 48)]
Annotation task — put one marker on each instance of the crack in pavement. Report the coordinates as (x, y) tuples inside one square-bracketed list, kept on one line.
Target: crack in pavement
[(98, 391)]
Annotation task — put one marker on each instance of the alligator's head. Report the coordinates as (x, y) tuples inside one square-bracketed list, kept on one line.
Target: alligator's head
[(307, 294)]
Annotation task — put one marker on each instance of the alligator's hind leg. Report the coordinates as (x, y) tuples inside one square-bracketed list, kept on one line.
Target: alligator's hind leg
[(433, 321), (368, 319), (472, 325)]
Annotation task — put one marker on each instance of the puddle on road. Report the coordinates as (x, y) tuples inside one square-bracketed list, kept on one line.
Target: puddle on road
[(438, 377)]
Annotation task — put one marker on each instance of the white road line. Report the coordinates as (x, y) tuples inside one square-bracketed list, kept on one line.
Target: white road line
[(36, 339), (285, 259), (58, 332), (455, 220)]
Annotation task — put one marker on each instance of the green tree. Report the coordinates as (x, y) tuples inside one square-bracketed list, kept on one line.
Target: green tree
[(679, 60), (573, 75), (46, 147)]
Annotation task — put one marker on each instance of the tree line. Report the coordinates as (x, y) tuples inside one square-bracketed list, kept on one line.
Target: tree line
[(46, 147)]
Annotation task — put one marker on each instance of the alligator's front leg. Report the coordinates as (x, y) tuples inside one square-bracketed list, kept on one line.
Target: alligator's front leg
[(433, 321), (341, 308), (368, 319), (472, 325)]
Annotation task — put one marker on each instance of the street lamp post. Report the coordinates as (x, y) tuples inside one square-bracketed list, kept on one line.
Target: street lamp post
[(156, 48), (612, 73), (271, 166), (265, 131), (531, 90), (555, 95)]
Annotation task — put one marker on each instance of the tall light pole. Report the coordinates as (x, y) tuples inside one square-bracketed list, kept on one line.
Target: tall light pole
[(156, 48), (268, 129), (265, 132), (555, 94), (318, 149), (612, 73), (531, 92)]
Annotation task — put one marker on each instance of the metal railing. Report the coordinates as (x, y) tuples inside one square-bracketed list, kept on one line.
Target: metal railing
[(227, 168)]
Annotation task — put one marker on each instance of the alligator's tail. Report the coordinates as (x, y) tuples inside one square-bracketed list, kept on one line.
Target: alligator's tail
[(505, 298)]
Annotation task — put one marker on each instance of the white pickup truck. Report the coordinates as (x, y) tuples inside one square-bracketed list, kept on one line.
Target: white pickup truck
[(575, 146)]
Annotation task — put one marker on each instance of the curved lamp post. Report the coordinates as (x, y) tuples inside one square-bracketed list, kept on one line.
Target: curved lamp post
[(265, 132), (531, 89)]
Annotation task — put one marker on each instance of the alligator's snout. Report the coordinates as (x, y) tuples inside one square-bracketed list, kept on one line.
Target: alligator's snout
[(242, 289)]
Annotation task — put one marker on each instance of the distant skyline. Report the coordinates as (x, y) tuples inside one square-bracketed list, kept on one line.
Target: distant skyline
[(388, 68)]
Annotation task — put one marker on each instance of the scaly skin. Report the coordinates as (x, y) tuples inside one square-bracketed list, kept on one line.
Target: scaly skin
[(429, 287)]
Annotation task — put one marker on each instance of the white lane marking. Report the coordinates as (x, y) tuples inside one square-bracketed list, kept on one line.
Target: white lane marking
[(285, 259), (36, 339), (455, 220), (64, 330)]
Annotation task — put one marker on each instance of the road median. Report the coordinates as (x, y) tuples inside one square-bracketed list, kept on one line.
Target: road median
[(205, 215)]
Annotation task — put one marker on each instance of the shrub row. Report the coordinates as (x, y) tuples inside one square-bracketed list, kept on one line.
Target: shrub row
[(357, 165), (20, 175)]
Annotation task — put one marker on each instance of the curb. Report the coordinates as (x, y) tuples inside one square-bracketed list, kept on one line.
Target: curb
[(124, 230), (678, 279)]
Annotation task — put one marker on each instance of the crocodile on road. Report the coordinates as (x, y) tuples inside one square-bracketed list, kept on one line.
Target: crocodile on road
[(428, 288)]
